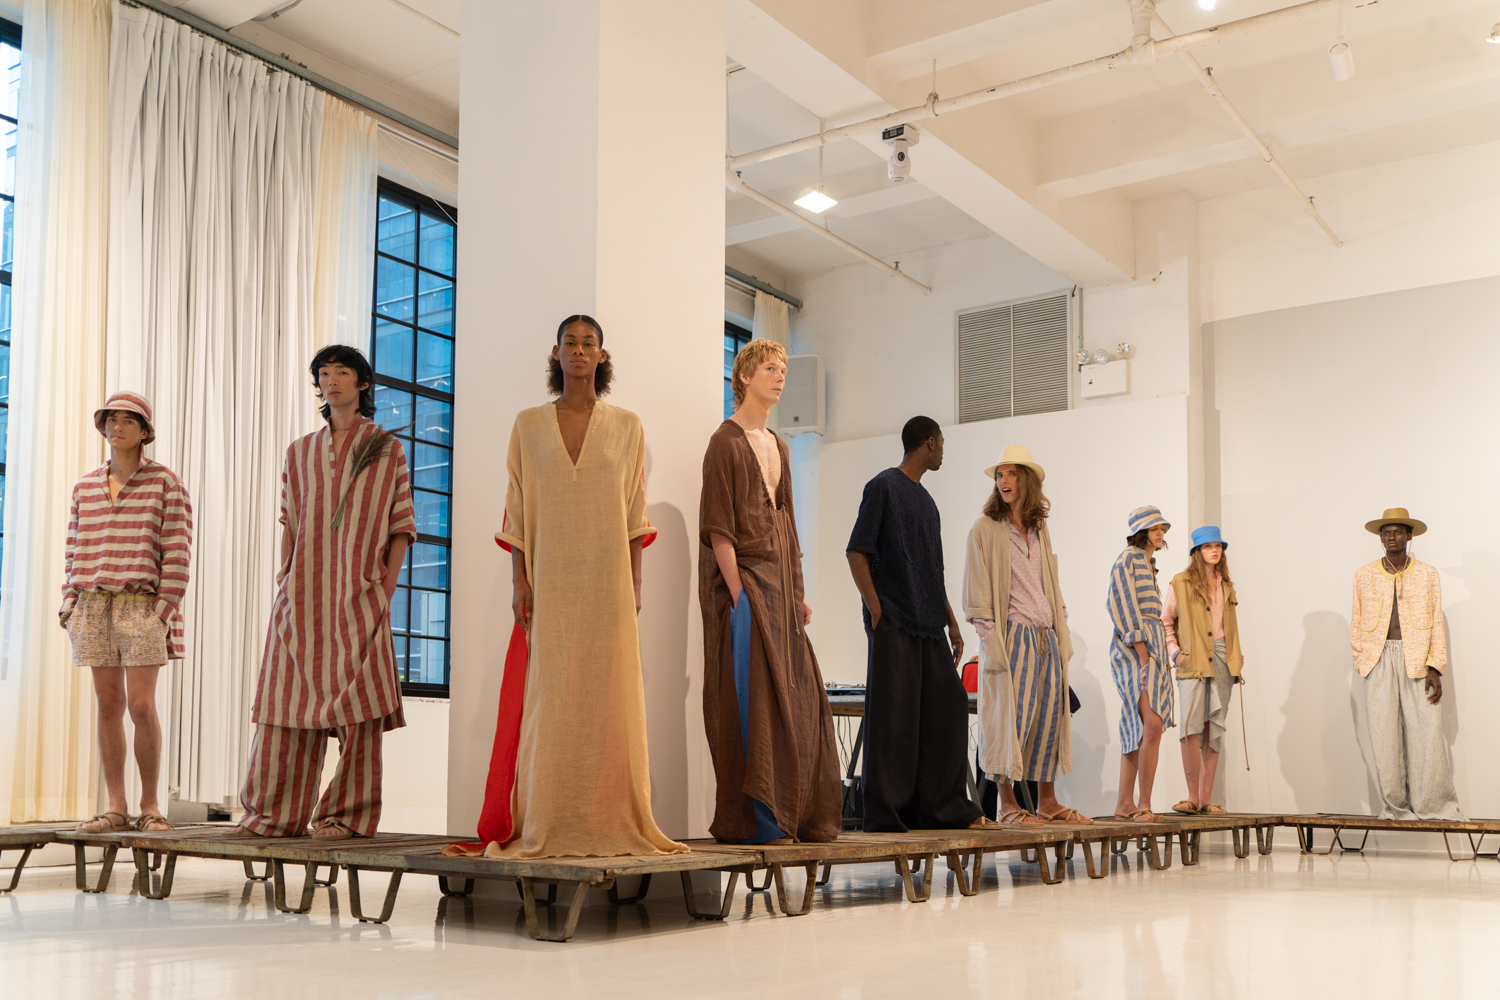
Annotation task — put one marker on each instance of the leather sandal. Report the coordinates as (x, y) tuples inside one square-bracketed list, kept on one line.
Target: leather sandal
[(1020, 817), (153, 823), (103, 824), (1187, 808), (332, 829), (1065, 815), (984, 823), (1213, 809)]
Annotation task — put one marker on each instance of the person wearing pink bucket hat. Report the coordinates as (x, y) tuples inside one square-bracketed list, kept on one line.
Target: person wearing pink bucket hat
[(130, 533)]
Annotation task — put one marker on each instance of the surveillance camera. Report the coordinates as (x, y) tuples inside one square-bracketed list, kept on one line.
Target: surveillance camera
[(900, 138), (899, 166)]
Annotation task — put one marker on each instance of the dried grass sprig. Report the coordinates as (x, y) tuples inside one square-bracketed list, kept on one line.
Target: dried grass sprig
[(367, 455)]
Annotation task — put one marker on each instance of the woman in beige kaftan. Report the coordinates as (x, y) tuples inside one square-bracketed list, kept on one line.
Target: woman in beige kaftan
[(582, 785)]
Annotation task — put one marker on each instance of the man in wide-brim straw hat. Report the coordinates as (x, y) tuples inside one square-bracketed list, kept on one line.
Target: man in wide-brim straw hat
[(130, 529), (1401, 649)]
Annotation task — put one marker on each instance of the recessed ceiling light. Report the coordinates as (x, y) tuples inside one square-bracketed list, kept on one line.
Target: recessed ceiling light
[(1207, 4), (815, 201), (1494, 35)]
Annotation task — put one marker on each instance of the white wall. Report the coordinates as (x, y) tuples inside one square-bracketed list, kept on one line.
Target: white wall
[(1331, 413), (1099, 468)]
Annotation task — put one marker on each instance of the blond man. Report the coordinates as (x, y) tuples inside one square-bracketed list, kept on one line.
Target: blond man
[(769, 725)]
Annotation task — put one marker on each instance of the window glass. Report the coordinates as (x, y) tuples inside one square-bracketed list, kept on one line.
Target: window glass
[(10, 77)]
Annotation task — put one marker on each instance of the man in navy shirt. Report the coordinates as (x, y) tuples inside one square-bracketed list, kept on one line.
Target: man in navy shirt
[(916, 709)]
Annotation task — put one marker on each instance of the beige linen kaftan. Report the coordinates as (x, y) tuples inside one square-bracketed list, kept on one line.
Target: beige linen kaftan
[(583, 782)]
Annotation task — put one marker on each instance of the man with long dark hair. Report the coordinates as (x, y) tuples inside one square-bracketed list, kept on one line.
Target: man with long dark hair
[(330, 664), (916, 709), (1013, 599)]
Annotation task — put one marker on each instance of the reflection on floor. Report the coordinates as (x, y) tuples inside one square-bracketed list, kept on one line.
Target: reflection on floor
[(1283, 926)]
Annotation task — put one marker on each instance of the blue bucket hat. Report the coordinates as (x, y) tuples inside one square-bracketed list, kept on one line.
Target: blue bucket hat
[(1146, 517), (1204, 535)]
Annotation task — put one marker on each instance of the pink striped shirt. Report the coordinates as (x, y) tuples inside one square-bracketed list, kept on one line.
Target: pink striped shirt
[(329, 658), (139, 543)]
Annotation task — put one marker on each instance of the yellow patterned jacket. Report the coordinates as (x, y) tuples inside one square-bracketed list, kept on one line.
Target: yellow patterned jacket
[(1423, 635)]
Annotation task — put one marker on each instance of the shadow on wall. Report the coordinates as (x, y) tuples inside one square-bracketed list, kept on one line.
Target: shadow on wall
[(1324, 762), (666, 578), (1085, 783), (1471, 617)]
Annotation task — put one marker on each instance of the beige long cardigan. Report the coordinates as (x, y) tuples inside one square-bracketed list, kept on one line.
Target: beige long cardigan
[(987, 595)]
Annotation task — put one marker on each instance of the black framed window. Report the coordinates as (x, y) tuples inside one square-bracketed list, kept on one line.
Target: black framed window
[(10, 66), (735, 338), (412, 353)]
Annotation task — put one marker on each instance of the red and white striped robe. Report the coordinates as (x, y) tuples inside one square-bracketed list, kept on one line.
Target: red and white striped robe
[(138, 544), (329, 659)]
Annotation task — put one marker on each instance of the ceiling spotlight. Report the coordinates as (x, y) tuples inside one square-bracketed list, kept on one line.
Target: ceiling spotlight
[(1207, 4), (1123, 350), (1100, 358), (815, 201), (1341, 58), (1494, 35)]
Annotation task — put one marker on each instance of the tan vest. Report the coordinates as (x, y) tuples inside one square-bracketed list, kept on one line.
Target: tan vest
[(1195, 631)]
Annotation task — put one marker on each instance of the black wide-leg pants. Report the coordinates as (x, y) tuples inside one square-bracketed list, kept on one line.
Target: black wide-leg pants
[(916, 735)]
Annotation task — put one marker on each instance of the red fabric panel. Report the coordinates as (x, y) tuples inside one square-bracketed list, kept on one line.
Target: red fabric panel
[(971, 676), (495, 821)]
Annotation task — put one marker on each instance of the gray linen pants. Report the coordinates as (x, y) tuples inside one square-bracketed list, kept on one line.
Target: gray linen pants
[(1406, 733)]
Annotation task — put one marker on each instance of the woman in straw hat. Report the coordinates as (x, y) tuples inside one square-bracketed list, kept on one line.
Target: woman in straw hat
[(1138, 659), (1203, 643), (130, 530), (1012, 597)]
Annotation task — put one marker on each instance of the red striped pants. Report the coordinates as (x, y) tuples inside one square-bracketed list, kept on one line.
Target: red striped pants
[(286, 767)]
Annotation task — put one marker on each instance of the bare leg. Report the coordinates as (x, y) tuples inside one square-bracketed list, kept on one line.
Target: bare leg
[(1129, 765), (1191, 767), (1210, 769), (1151, 729), (1009, 805), (140, 685), (109, 686), (1047, 792)]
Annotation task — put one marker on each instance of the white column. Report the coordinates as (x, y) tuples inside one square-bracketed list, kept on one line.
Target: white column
[(591, 165)]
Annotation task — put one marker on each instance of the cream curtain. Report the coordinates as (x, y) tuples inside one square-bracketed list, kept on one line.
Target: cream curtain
[(47, 749), (213, 245), (344, 288), (772, 320)]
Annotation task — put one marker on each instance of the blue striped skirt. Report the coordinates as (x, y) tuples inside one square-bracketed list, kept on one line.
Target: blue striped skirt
[(1157, 684), (1041, 698)]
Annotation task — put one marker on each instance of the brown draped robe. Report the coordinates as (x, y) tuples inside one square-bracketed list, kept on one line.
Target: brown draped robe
[(792, 762)]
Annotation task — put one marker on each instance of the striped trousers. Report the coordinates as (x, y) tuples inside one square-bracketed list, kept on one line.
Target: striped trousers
[(1041, 698), (286, 768)]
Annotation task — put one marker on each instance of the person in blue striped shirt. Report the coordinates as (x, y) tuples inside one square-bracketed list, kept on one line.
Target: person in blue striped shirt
[(1138, 660)]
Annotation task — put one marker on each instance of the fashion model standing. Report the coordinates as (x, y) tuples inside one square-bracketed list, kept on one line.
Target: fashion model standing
[(575, 523), (769, 726), (1013, 598), (1138, 660), (1401, 649), (916, 709), (330, 664), (1203, 643), (130, 530)]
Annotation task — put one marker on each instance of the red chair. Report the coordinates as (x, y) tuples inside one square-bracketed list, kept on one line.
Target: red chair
[(971, 675)]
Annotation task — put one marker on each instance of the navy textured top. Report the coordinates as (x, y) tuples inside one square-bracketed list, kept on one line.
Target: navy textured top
[(899, 529)]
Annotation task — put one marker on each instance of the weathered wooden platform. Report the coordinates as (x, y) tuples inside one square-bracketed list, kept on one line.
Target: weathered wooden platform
[(1305, 825), (1189, 826), (24, 839), (581, 873)]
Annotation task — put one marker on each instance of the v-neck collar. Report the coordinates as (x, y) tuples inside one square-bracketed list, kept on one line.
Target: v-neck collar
[(765, 487), (114, 501), (338, 459), (588, 432)]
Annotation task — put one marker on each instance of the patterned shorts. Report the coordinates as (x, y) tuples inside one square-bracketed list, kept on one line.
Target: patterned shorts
[(117, 630)]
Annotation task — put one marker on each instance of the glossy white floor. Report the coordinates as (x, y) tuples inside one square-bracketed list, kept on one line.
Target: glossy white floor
[(1280, 926)]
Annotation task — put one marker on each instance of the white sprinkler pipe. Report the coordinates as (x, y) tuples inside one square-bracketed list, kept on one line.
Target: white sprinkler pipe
[(1140, 52), (734, 183), (1212, 86)]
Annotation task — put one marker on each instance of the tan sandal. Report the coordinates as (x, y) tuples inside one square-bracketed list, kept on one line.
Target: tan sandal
[(1213, 809), (1187, 808), (332, 829), (984, 823), (1065, 815), (103, 824), (153, 823), (1020, 817)]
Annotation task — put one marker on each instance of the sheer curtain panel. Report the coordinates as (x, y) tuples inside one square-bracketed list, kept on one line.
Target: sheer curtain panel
[(47, 749), (213, 253), (347, 178)]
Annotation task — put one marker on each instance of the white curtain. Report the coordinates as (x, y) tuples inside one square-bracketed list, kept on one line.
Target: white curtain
[(345, 285), (214, 177), (47, 747), (772, 320)]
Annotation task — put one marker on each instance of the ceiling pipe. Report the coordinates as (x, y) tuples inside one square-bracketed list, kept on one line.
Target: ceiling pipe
[(1149, 50), (1210, 85), (734, 183)]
